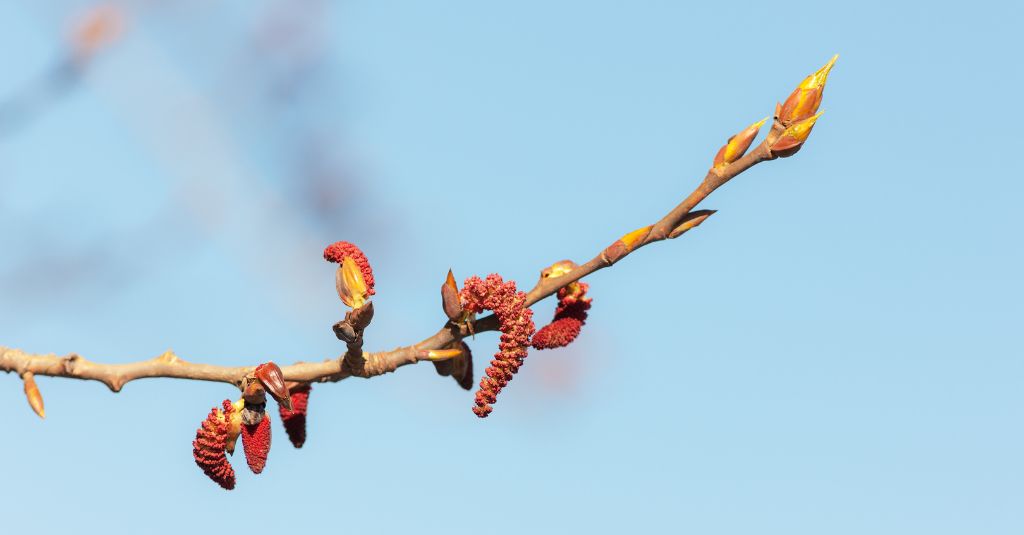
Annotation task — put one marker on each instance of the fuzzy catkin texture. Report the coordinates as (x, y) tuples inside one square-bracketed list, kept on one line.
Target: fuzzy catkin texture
[(516, 325), (208, 447), (256, 443), (295, 420), (570, 315), (337, 251)]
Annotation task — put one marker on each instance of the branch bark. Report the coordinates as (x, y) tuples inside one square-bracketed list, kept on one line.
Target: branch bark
[(169, 365)]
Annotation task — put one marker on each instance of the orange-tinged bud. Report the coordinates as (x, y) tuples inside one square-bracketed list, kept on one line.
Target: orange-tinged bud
[(350, 283), (35, 399), (633, 238), (804, 101), (693, 219), (737, 145), (794, 136), (450, 301), (625, 245), (437, 355)]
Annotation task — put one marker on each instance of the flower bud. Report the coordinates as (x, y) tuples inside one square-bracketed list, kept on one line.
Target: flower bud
[(440, 355), (803, 102), (350, 284), (693, 219), (562, 267), (737, 145), (450, 301), (269, 374), (35, 398), (793, 137), (625, 245), (354, 278)]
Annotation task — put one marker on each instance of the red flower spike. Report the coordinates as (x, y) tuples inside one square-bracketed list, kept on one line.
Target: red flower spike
[(515, 322), (208, 447), (295, 420), (570, 315), (256, 443), (338, 251)]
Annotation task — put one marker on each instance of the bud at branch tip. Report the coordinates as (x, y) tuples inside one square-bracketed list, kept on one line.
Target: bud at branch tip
[(804, 101)]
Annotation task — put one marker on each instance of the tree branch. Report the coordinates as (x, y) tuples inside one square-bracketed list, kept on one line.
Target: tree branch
[(793, 122), (169, 365)]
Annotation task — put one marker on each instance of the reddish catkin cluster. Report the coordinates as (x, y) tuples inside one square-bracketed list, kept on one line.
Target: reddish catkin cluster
[(570, 315), (295, 420), (338, 251), (256, 442), (208, 448), (516, 325)]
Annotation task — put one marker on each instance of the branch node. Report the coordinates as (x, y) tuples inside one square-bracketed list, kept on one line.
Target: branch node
[(116, 383), (70, 362)]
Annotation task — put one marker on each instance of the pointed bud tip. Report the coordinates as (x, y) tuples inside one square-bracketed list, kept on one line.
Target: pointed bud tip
[(694, 219), (820, 76), (451, 303), (800, 130)]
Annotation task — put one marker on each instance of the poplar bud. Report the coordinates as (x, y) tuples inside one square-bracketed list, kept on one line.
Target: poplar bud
[(737, 145), (270, 375), (35, 398), (350, 284), (804, 101), (693, 219), (793, 137), (450, 301)]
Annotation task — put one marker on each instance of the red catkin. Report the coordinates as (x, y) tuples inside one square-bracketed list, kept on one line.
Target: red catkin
[(570, 315), (256, 443), (337, 251), (515, 322), (208, 447), (295, 420)]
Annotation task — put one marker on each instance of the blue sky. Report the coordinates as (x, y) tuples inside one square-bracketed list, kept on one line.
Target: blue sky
[(832, 352)]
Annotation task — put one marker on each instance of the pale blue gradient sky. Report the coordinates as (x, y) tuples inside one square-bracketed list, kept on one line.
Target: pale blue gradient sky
[(838, 350)]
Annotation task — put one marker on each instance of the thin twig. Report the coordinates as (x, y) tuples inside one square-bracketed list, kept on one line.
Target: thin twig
[(169, 365)]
